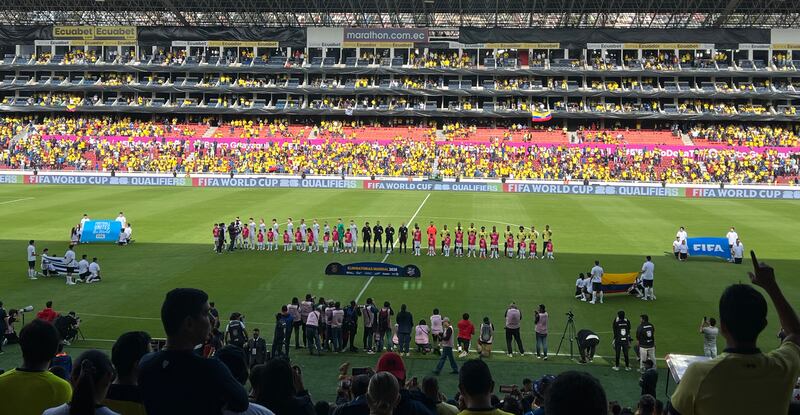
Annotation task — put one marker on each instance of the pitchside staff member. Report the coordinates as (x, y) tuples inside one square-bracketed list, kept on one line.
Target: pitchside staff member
[(389, 238), (377, 232), (622, 339), (587, 344), (645, 335), (403, 237), (366, 234)]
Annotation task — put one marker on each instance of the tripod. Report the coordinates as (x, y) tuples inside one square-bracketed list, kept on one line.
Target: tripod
[(569, 331)]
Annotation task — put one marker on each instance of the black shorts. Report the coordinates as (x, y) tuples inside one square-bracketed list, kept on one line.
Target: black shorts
[(737, 260), (647, 283), (684, 256), (597, 286), (31, 264), (70, 270), (677, 255)]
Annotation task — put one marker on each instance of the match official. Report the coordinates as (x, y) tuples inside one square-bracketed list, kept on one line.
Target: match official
[(377, 232), (389, 238), (366, 235), (403, 237)]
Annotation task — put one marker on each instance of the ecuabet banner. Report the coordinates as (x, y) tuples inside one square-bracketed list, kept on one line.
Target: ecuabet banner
[(619, 283), (717, 247), (101, 231)]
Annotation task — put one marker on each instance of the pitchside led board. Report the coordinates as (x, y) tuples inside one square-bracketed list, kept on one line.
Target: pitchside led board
[(98, 231), (717, 247)]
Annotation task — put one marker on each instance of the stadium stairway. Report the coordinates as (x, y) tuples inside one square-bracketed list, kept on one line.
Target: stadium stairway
[(210, 132), (687, 141)]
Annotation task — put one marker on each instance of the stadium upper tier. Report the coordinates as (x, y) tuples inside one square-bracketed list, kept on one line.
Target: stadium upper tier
[(706, 75)]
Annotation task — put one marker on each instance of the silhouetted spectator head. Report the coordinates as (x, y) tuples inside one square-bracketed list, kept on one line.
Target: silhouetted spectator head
[(273, 385), (742, 313), (235, 359), (475, 382), (129, 348), (359, 385), (562, 396), (430, 387), (383, 393), (392, 362), (647, 405), (91, 377), (39, 343), (184, 315)]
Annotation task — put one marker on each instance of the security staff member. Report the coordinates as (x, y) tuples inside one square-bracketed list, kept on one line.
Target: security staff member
[(377, 232), (403, 237), (257, 348), (622, 339), (221, 239), (389, 238), (232, 235), (366, 235)]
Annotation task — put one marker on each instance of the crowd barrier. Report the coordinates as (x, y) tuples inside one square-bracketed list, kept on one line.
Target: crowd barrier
[(694, 191)]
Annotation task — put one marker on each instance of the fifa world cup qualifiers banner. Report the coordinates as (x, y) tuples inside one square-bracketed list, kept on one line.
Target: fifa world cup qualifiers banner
[(373, 269), (431, 185), (717, 247), (101, 231), (274, 182), (106, 180), (593, 189)]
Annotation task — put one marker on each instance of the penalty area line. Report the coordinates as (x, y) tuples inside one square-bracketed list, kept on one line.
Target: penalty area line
[(16, 200), (385, 257)]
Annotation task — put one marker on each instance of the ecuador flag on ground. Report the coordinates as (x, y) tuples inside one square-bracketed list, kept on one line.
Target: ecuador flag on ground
[(541, 116), (619, 283)]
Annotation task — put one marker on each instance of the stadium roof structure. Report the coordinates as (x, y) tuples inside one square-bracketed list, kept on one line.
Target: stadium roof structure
[(408, 13)]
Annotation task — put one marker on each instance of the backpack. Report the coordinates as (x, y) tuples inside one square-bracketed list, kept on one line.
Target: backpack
[(236, 334), (487, 332)]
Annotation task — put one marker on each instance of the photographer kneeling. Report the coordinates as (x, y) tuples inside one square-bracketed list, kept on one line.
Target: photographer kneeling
[(67, 326), (587, 344)]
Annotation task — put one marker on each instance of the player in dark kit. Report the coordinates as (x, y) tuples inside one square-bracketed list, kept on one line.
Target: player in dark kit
[(402, 237), (389, 238), (377, 239), (366, 236)]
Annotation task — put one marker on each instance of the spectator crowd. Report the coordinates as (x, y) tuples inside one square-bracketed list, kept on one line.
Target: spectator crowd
[(182, 377)]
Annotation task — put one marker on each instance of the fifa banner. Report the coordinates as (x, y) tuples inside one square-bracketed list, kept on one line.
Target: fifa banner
[(717, 247), (376, 269), (619, 283), (101, 231), (54, 264)]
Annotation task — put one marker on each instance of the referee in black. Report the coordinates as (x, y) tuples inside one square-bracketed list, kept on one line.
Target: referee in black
[(366, 236), (402, 237), (377, 236), (389, 238)]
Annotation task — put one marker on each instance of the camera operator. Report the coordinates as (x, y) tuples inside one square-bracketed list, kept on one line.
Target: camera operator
[(235, 332), (710, 331), (587, 344), (622, 339), (67, 326), (350, 325)]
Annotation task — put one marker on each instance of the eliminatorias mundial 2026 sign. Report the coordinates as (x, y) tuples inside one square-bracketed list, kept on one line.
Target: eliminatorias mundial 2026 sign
[(373, 269)]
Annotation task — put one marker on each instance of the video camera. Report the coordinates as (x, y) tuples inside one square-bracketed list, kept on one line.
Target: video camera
[(570, 314)]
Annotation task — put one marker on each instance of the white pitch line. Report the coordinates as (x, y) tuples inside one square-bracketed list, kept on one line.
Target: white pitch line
[(369, 281), (15, 200)]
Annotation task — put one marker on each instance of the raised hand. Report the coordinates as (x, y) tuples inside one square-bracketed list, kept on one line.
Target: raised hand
[(763, 275)]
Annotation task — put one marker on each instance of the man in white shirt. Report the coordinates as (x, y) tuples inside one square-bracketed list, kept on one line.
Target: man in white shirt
[(597, 283), (579, 286), (31, 260), (732, 237), (436, 328), (70, 263), (84, 219), (738, 252), (682, 235), (121, 240), (648, 269), (315, 232), (128, 232), (94, 272), (683, 251), (676, 247), (122, 220), (252, 226), (83, 269)]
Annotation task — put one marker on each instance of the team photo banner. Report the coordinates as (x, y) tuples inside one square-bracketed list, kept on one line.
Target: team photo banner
[(373, 269), (101, 231), (717, 247)]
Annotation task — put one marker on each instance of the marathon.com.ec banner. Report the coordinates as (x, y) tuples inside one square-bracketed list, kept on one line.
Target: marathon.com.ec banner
[(101, 231), (372, 269), (407, 184), (717, 247)]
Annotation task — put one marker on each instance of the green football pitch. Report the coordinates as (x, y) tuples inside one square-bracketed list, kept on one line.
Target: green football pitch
[(173, 248)]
